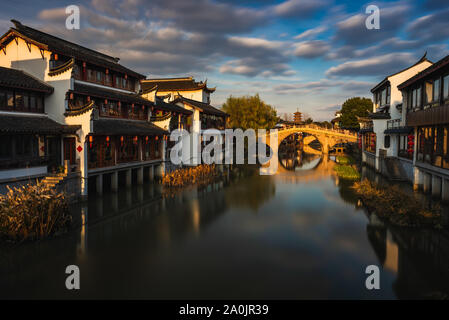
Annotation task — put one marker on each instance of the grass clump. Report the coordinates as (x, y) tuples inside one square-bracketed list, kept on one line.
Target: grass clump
[(202, 174), (347, 172), (397, 207), (33, 212), (346, 169), (344, 160)]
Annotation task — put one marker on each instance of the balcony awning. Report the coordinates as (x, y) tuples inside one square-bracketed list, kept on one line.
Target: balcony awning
[(399, 130), (126, 127), (34, 124)]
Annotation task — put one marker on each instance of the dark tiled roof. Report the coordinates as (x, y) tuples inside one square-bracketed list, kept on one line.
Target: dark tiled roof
[(70, 49), (33, 124), (206, 108), (13, 78), (94, 91), (174, 84), (426, 72), (171, 107), (379, 115), (126, 127), (399, 130)]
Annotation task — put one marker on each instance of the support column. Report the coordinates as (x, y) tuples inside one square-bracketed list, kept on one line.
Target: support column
[(84, 169), (445, 190), (140, 175), (151, 173), (436, 186), (114, 181), (418, 179), (99, 182), (427, 182), (128, 177)]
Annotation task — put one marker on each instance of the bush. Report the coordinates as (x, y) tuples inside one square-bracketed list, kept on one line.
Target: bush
[(394, 205), (32, 212)]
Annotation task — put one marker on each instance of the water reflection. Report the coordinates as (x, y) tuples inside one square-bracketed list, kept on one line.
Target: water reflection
[(298, 234)]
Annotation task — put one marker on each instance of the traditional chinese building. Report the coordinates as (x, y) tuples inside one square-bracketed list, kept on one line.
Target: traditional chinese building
[(189, 95), (426, 110), (385, 135), (297, 117), (88, 91)]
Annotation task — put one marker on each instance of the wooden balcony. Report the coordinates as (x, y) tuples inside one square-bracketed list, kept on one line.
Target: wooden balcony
[(431, 116)]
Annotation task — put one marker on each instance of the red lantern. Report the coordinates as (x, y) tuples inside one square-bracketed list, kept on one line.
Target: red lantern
[(107, 71), (107, 141), (157, 138), (105, 101), (121, 140), (88, 98), (91, 139), (56, 56), (146, 140), (71, 96), (135, 140)]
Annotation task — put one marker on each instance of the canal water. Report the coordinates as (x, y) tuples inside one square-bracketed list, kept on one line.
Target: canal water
[(298, 234)]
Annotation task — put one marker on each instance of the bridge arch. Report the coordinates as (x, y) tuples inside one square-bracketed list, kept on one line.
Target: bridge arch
[(327, 137)]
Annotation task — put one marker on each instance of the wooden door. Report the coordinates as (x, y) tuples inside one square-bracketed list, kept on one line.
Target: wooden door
[(69, 150)]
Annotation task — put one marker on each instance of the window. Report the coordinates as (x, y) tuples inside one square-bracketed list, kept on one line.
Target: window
[(19, 101), (414, 99), (118, 81), (90, 74), (99, 76), (387, 142), (5, 147), (436, 90), (388, 95), (418, 97), (33, 103), (123, 83), (26, 102), (40, 104), (429, 92), (108, 79), (446, 87), (2, 99), (76, 71)]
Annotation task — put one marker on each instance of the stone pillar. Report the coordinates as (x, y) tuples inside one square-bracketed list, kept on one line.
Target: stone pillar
[(326, 145), (140, 175), (427, 182), (417, 179), (84, 169), (151, 173), (436, 186), (99, 182), (445, 190), (114, 181), (129, 177)]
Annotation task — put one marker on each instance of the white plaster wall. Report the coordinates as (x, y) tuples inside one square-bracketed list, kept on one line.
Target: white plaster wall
[(18, 56)]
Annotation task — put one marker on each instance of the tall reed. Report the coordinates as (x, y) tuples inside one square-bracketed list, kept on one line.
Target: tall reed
[(33, 211)]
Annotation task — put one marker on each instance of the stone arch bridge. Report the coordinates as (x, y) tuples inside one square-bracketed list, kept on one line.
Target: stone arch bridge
[(327, 137)]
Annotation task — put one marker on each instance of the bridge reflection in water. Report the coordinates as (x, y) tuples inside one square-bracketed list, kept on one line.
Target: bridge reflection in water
[(297, 234)]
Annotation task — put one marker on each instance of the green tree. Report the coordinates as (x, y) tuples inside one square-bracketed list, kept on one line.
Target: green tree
[(250, 112), (353, 108)]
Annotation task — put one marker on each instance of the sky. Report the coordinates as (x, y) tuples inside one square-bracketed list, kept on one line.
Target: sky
[(306, 55)]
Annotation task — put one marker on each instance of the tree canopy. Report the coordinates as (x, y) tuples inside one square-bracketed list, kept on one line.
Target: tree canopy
[(250, 112), (353, 108)]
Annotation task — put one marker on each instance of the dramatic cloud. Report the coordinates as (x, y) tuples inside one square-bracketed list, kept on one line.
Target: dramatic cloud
[(310, 33), (431, 28), (380, 65), (311, 49), (353, 31), (300, 8)]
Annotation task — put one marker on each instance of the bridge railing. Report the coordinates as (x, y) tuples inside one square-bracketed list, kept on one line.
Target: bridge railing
[(315, 127)]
